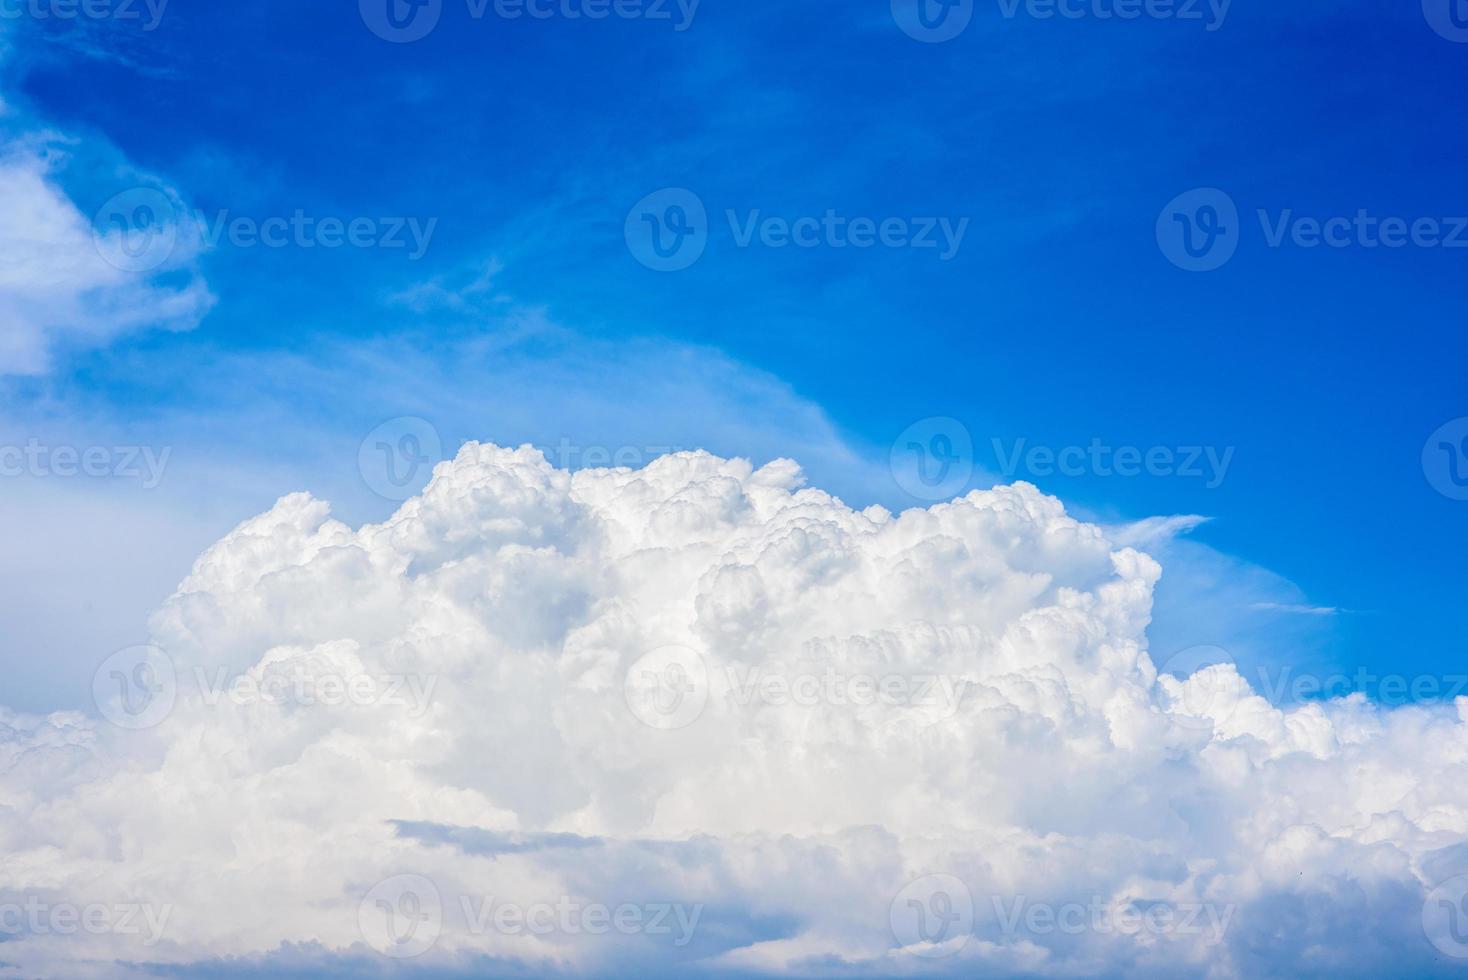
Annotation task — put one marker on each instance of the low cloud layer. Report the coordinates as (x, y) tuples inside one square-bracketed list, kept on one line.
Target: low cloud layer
[(696, 718)]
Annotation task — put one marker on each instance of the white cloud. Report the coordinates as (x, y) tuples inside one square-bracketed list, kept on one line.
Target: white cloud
[(963, 691), (58, 288), (1296, 608)]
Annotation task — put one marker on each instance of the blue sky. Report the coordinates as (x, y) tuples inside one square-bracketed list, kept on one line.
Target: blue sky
[(1059, 319)]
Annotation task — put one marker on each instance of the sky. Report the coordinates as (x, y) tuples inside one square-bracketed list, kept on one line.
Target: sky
[(1046, 146), (1193, 268)]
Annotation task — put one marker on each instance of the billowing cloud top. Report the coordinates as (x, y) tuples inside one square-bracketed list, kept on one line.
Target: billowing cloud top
[(696, 719)]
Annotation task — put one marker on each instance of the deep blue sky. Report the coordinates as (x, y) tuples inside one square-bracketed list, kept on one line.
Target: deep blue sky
[(1059, 320)]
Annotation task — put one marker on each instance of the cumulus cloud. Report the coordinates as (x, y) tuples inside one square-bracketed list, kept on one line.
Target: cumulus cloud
[(65, 284), (701, 718)]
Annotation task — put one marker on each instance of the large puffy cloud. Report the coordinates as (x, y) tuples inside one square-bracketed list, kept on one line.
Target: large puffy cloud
[(807, 740)]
